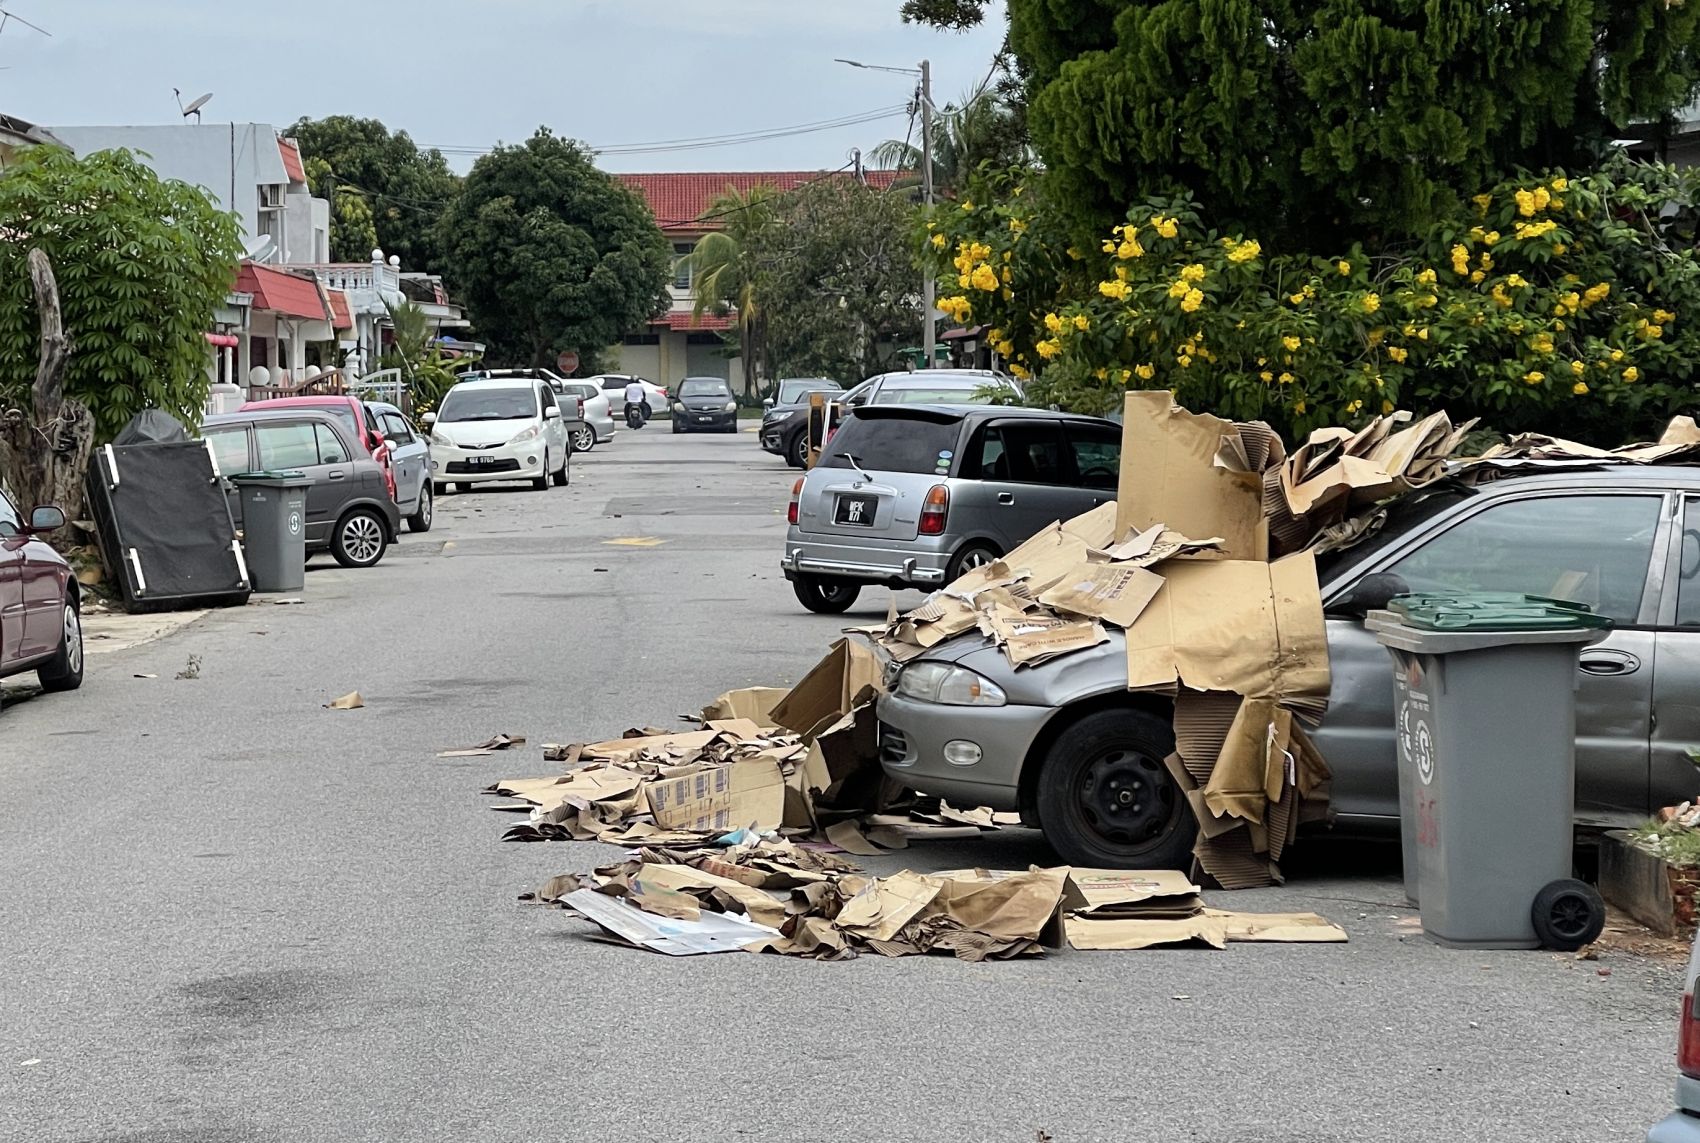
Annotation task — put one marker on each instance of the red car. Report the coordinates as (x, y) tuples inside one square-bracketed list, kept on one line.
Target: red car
[(41, 626), (356, 418)]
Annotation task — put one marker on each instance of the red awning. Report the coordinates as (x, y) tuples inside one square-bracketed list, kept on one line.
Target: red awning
[(291, 295), (222, 339), (341, 316), (682, 320)]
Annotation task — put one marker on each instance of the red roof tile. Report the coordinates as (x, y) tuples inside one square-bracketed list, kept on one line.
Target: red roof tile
[(680, 200), (681, 320), (341, 316), (292, 160), (291, 295)]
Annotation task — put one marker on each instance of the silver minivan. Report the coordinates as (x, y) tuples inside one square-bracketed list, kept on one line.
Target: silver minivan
[(915, 495)]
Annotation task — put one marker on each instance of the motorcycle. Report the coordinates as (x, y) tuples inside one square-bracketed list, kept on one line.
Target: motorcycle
[(634, 414)]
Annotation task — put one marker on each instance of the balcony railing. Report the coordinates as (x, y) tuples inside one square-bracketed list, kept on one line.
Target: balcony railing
[(355, 275)]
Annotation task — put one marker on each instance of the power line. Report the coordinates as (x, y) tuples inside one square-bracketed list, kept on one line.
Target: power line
[(707, 141)]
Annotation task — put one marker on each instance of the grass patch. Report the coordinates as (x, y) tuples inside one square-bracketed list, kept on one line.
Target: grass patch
[(1676, 843)]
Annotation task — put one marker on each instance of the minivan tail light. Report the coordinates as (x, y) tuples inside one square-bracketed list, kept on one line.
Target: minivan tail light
[(1688, 1039), (933, 511), (796, 498)]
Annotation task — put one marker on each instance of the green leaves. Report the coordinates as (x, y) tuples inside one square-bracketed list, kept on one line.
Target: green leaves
[(388, 192), (142, 264)]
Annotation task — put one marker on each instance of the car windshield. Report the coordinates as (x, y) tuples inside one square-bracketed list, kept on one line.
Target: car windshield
[(892, 444), (1403, 515), (704, 389), (585, 391), (488, 405), (984, 394), (791, 392)]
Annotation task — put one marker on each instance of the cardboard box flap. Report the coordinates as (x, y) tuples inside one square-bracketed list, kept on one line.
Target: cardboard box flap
[(1171, 474), (848, 677), (753, 703)]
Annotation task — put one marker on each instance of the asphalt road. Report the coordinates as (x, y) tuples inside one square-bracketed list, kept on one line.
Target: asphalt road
[(228, 914)]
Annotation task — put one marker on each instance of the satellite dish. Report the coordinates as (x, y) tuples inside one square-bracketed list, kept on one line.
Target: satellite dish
[(194, 107), (261, 249)]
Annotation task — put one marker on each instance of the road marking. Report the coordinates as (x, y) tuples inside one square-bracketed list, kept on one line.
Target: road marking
[(636, 542)]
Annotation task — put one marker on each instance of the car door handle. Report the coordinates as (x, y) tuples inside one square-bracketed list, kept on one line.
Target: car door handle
[(337, 474), (1609, 662), (1006, 498)]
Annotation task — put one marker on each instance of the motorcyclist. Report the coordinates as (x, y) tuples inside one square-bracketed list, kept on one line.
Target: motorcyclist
[(636, 401)]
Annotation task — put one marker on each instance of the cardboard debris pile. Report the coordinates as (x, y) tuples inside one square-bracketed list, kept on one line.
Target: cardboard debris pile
[(777, 897), (1679, 443), (798, 763)]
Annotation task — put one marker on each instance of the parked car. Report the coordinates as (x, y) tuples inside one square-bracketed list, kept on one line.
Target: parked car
[(499, 429), (1683, 1124), (41, 626), (575, 413), (598, 425), (935, 387), (915, 495), (613, 385), (785, 424), (1624, 540), (410, 465), (350, 512), (361, 423), (704, 404)]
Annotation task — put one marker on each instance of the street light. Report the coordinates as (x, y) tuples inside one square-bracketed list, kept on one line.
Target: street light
[(929, 287)]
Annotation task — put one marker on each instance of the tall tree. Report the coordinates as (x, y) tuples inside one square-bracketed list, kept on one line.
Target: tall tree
[(383, 185), (142, 265), (725, 274), (979, 131), (551, 253)]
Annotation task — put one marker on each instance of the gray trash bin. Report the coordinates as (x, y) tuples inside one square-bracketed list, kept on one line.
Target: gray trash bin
[(274, 528), (1485, 716)]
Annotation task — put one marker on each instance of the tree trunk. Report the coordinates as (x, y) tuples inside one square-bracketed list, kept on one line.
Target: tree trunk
[(44, 450), (747, 351)]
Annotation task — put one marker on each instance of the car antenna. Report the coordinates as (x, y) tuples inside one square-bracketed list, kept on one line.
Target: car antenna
[(857, 465)]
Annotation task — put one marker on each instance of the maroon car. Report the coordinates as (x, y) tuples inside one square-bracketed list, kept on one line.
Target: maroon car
[(40, 626)]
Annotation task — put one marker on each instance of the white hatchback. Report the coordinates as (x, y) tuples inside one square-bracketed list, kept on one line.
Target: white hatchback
[(498, 429)]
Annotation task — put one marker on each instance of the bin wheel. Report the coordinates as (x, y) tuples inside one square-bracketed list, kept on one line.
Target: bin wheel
[(1568, 914)]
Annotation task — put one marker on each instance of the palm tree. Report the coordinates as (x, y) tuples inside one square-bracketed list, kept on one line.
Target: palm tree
[(981, 128), (723, 267)]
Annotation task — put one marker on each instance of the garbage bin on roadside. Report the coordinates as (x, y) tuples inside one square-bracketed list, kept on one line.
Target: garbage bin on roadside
[(1485, 717), (274, 528)]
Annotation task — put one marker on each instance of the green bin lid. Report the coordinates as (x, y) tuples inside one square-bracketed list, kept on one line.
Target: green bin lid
[(1493, 611)]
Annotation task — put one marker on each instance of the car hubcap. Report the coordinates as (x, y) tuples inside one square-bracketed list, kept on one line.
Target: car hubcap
[(978, 558), (362, 538), (425, 505), (582, 440), (1126, 798), (73, 639)]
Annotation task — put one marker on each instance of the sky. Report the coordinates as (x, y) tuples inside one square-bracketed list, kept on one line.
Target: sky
[(466, 74)]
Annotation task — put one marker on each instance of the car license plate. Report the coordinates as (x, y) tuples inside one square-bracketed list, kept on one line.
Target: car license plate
[(705, 418), (483, 460), (857, 511)]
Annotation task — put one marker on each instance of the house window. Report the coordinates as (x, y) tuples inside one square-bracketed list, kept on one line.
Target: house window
[(641, 339), (702, 338), (681, 268)]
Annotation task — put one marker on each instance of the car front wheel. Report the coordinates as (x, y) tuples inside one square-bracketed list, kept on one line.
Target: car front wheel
[(825, 595), (1107, 801), (360, 539), (797, 451), (420, 521), (64, 672), (584, 439)]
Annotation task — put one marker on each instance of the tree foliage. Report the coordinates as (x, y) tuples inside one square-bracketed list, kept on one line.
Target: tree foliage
[(980, 132), (839, 280), (430, 370), (1553, 304), (725, 275), (551, 253), (950, 15), (142, 266), (1302, 120), (388, 193)]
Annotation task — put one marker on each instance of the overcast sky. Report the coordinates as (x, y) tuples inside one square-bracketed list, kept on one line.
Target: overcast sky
[(469, 73)]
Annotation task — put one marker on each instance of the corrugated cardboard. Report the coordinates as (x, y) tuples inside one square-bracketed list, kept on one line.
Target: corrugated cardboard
[(1128, 933), (1304, 928), (753, 703), (847, 678), (1255, 763), (1114, 593), (1181, 469), (745, 794)]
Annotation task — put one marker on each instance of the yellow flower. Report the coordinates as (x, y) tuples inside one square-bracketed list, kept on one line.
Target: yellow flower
[(1053, 322), (1375, 336), (1165, 226), (1192, 273), (1560, 248), (1285, 378), (1267, 376), (1486, 260), (1525, 203), (1460, 259), (1617, 355), (1006, 276), (1178, 289), (1292, 343), (1008, 294), (1371, 303), (1245, 251), (1632, 374), (1534, 377), (1560, 185), (1386, 407), (1184, 361), (1004, 348), (1296, 299), (1127, 374), (1193, 299), (1146, 371), (1428, 301), (1021, 372), (1344, 267), (964, 281), (1491, 237), (1580, 388), (1129, 248), (1049, 348), (1016, 226), (1298, 406), (1483, 201), (1516, 281), (1663, 317), (1593, 295), (1074, 252), (1577, 368), (1101, 373), (1398, 353), (1354, 406), (967, 206), (1109, 246), (939, 242), (1541, 343), (1477, 277), (1542, 197), (1117, 290), (1426, 278), (984, 278), (1082, 322)]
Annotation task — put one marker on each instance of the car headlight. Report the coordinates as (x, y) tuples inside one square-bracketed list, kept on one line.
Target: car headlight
[(439, 438), (530, 434), (731, 407), (948, 684), (678, 406)]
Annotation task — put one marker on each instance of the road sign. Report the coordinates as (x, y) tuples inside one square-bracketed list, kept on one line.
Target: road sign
[(567, 363)]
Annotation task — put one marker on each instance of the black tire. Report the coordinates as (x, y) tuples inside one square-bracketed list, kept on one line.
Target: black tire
[(677, 428), (1106, 800), (64, 672), (975, 553), (562, 477), (1568, 914), (825, 595), (583, 438), (541, 483), (797, 450), (420, 521), (440, 487), (463, 486), (360, 538)]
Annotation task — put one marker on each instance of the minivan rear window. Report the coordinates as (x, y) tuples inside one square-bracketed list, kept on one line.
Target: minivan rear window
[(893, 444)]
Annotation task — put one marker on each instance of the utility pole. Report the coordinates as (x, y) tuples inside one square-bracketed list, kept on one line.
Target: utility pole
[(929, 287)]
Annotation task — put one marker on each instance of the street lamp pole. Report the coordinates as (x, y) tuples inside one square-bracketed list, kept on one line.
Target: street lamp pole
[(929, 286)]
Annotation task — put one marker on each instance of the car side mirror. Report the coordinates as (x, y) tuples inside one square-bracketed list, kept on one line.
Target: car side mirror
[(552, 413), (46, 518), (428, 419), (1370, 593), (767, 402)]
